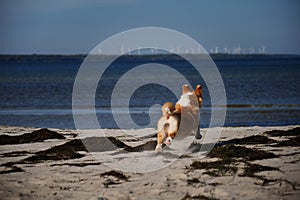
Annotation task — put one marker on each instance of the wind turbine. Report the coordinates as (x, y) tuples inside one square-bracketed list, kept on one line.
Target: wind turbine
[(251, 50), (187, 51), (122, 50), (199, 50), (237, 50), (192, 51), (129, 50), (263, 49), (216, 49), (152, 50), (138, 51), (225, 49)]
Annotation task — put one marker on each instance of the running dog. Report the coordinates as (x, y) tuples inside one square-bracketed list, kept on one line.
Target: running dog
[(181, 119), (167, 125)]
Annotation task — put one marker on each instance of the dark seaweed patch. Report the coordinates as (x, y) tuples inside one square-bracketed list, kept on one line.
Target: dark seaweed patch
[(117, 174), (109, 182), (217, 168), (16, 154), (148, 146), (35, 136), (251, 169), (230, 156), (12, 170), (54, 154), (228, 152), (187, 196), (254, 139), (69, 149), (292, 142), (77, 164), (60, 152), (102, 144), (280, 133)]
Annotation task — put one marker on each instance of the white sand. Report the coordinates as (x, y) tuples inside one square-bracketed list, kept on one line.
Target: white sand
[(62, 180)]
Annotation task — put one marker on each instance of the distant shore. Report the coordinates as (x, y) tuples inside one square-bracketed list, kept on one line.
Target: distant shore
[(54, 164), (80, 57)]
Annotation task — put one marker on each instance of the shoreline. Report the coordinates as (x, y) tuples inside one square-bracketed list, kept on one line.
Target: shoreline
[(265, 160)]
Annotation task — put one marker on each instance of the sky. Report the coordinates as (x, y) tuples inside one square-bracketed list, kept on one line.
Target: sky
[(75, 27)]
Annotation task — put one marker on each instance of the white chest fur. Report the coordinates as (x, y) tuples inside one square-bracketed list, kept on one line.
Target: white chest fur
[(185, 99)]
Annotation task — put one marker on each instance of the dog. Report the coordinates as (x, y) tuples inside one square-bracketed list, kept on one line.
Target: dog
[(182, 119), (167, 125)]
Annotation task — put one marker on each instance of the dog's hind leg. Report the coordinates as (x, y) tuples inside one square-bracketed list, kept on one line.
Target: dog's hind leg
[(160, 138)]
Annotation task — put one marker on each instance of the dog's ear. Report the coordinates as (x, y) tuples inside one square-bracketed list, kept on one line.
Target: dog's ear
[(198, 91)]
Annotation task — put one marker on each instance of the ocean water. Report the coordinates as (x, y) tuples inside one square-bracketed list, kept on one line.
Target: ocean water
[(37, 90)]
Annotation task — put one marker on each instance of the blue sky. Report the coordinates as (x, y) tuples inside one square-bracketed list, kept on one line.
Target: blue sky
[(71, 27)]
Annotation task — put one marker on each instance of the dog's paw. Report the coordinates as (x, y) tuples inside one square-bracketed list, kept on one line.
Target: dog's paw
[(158, 148)]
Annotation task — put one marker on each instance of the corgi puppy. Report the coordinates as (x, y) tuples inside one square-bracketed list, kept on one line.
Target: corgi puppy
[(167, 125), (183, 118)]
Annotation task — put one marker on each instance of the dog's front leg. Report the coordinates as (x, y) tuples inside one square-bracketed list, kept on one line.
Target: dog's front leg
[(198, 135)]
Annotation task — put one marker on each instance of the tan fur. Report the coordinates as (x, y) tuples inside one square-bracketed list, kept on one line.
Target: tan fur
[(185, 112), (198, 93), (168, 124), (167, 127), (168, 108)]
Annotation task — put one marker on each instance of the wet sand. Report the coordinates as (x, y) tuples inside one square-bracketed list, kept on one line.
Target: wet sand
[(246, 163)]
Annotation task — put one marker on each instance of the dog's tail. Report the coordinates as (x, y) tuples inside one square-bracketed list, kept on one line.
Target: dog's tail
[(167, 109)]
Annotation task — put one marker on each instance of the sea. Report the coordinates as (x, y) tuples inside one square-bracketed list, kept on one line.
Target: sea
[(36, 90)]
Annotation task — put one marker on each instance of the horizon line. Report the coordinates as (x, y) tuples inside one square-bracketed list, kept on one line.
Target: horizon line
[(157, 54)]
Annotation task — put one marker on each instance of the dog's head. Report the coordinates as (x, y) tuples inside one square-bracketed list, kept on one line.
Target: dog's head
[(185, 89)]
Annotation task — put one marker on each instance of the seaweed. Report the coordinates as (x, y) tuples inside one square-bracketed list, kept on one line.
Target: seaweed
[(292, 142), (230, 156), (148, 146), (254, 139), (251, 169), (217, 168), (35, 136), (60, 152), (102, 144), (77, 164), (117, 174), (228, 152), (201, 197), (69, 149), (280, 133), (15, 154), (12, 169)]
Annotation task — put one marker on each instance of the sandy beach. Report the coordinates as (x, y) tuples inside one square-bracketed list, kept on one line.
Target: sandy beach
[(246, 163)]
